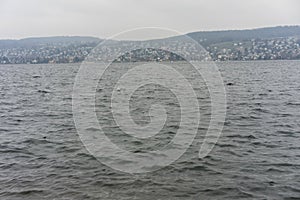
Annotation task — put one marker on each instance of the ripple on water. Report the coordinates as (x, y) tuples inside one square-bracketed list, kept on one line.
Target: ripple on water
[(257, 156)]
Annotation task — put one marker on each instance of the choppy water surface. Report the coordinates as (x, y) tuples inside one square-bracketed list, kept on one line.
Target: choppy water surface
[(257, 156)]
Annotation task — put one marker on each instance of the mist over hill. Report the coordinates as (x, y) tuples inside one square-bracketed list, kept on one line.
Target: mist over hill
[(56, 40), (207, 38)]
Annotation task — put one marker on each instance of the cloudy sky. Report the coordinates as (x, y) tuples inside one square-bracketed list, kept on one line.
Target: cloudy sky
[(104, 18)]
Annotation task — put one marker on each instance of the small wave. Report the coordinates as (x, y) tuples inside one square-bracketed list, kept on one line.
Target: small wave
[(24, 192), (44, 91), (293, 104)]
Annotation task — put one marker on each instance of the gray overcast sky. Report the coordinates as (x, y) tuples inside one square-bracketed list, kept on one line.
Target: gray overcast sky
[(103, 18)]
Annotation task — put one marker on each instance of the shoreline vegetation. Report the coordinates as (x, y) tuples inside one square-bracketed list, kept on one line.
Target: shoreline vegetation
[(274, 43)]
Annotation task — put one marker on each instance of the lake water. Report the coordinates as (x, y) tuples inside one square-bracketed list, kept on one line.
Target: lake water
[(256, 157)]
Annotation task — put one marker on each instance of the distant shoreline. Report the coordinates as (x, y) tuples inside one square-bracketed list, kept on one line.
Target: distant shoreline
[(162, 62), (274, 43)]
